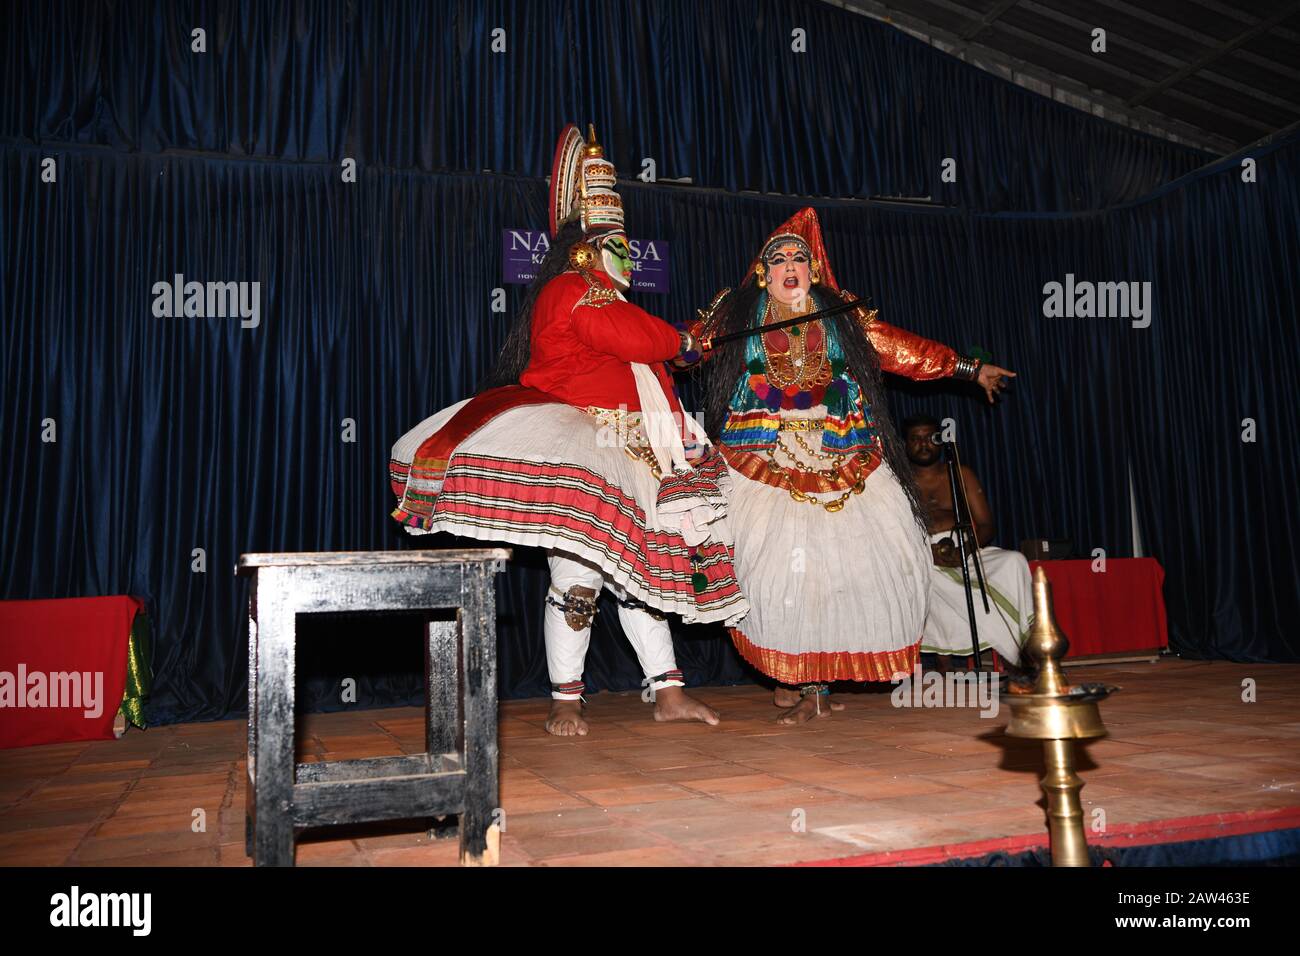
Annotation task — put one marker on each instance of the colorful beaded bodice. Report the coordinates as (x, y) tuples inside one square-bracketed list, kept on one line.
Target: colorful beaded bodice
[(796, 368)]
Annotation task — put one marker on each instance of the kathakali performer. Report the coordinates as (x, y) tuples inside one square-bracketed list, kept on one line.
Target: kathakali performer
[(830, 542), (577, 445)]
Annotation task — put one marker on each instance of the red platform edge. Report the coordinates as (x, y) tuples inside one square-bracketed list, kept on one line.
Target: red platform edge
[(1173, 830)]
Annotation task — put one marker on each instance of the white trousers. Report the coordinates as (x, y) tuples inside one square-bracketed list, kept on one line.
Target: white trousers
[(566, 647)]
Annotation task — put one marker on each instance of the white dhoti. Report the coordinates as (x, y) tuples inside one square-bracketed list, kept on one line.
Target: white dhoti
[(566, 644), (1011, 605)]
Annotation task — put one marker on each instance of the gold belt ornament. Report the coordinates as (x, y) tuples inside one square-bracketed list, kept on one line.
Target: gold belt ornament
[(646, 454), (628, 425), (802, 424)]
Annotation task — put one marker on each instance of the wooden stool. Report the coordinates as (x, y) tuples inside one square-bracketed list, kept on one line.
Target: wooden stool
[(457, 774)]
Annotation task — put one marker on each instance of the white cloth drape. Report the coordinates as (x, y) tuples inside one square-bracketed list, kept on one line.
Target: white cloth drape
[(1011, 606)]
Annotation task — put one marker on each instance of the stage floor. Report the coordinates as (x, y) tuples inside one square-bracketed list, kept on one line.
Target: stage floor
[(869, 779)]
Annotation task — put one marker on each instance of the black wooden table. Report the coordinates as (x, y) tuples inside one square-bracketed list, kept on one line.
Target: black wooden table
[(457, 774)]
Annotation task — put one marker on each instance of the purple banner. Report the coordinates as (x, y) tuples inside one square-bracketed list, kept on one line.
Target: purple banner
[(524, 249)]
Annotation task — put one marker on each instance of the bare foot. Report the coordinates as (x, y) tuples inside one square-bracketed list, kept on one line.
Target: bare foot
[(673, 703), (565, 719), (788, 698), (809, 708)]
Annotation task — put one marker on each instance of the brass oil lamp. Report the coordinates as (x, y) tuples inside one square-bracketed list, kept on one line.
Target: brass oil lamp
[(1057, 713)]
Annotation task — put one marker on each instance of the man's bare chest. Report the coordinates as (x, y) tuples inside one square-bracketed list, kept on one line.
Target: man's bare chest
[(935, 492)]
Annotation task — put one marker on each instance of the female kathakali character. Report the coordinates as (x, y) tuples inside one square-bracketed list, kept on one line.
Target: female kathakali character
[(578, 448), (831, 548)]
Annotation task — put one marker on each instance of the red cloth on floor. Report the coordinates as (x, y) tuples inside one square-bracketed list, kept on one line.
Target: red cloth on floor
[(1119, 610), (73, 636)]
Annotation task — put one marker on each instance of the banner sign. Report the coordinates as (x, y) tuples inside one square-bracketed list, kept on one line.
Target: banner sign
[(524, 249)]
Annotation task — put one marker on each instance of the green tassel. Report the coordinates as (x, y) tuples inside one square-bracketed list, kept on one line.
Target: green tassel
[(699, 582)]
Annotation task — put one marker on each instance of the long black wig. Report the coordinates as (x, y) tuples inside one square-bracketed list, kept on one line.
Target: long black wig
[(727, 366)]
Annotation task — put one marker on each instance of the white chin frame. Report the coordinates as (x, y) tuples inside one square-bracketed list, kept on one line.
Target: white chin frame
[(614, 270)]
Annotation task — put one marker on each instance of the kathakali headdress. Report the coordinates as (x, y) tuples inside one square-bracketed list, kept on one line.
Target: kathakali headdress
[(582, 184)]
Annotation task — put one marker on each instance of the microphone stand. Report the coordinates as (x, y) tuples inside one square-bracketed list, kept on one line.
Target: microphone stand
[(967, 543)]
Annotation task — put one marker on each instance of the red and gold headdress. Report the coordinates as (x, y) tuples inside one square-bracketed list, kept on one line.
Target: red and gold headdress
[(582, 184), (802, 227)]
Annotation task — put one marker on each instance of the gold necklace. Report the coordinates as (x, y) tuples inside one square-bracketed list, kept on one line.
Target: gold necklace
[(802, 370), (796, 465), (834, 504), (816, 455)]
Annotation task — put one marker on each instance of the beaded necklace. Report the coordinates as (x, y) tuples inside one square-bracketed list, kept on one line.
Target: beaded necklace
[(805, 385), (807, 369)]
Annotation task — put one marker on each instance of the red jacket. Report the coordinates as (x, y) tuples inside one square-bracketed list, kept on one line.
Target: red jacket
[(585, 339)]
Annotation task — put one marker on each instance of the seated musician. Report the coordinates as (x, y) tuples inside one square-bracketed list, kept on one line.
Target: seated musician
[(1005, 625)]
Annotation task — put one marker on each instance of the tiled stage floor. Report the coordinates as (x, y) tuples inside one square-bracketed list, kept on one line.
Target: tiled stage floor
[(873, 777)]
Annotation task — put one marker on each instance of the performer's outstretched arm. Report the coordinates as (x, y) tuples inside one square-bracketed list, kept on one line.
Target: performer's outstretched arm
[(906, 353), (916, 357)]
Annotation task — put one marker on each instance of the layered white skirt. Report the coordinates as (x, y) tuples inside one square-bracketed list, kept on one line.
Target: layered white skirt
[(833, 595), (552, 476)]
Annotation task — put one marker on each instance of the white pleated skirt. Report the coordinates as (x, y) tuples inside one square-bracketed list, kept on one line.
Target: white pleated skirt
[(551, 476), (832, 595)]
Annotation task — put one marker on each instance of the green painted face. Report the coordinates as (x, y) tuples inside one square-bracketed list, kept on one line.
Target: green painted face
[(617, 259)]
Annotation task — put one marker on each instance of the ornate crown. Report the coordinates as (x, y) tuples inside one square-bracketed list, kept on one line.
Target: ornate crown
[(582, 184)]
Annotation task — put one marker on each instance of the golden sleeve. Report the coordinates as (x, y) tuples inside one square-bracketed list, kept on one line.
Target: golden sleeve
[(906, 353)]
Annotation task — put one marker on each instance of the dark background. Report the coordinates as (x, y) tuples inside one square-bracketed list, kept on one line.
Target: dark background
[(175, 434)]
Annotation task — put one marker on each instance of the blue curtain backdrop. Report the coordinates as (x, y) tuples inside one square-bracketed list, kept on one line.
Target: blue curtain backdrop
[(176, 434), (710, 91)]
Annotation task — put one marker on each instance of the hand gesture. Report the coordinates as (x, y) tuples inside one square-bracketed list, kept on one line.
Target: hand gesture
[(993, 379)]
